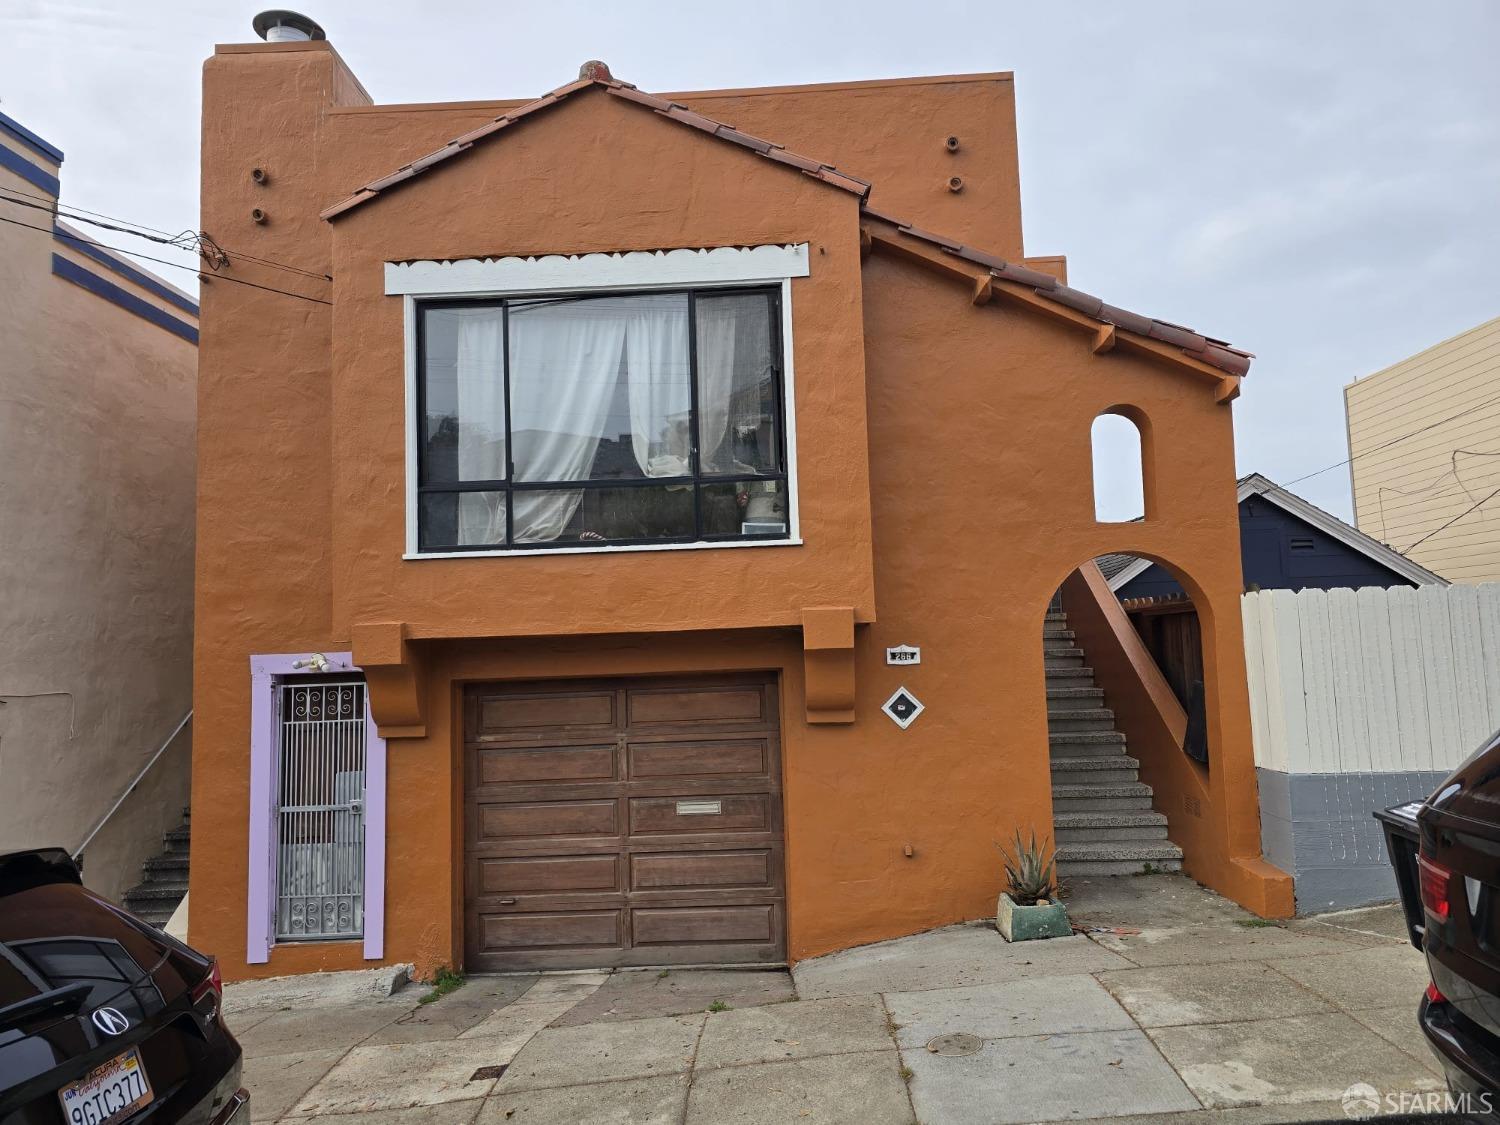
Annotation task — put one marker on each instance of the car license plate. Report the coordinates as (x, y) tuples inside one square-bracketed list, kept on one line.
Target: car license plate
[(108, 1093)]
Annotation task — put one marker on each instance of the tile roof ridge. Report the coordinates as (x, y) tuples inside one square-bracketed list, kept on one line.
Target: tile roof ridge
[(596, 73)]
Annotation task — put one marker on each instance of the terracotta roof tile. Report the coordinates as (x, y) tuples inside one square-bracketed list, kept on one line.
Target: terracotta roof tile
[(592, 74), (1215, 353)]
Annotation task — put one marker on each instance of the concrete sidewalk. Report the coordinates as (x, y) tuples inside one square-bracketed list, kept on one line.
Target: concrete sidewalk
[(1203, 1016)]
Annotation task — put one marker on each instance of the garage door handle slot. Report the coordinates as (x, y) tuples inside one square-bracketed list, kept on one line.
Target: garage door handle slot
[(699, 808)]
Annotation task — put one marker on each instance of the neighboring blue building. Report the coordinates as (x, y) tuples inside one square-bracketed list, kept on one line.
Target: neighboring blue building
[(1285, 544)]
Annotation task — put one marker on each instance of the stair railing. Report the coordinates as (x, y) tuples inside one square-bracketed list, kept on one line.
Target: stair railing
[(131, 788)]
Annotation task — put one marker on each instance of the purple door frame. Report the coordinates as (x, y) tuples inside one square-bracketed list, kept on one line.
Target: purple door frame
[(260, 930)]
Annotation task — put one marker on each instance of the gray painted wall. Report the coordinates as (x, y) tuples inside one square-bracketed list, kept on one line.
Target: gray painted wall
[(1320, 827)]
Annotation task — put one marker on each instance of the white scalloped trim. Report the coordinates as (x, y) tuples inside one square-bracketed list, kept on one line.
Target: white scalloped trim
[(635, 269)]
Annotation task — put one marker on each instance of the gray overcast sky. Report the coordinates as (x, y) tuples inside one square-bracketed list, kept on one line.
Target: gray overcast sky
[(1314, 181)]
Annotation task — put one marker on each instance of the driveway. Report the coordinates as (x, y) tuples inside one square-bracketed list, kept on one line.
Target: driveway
[(1204, 1015)]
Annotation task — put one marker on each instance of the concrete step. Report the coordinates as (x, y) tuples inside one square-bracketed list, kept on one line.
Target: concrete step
[(1074, 696), (1109, 827), (1080, 737), (1067, 675), (1056, 615), (1064, 658), (1065, 720), (1127, 796), (1138, 853), (1057, 638), (1117, 859), (1115, 769), (167, 889), (178, 840), (172, 865), (1088, 749)]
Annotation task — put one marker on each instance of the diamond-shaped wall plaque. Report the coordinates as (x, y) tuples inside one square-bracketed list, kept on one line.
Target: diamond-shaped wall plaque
[(903, 708)]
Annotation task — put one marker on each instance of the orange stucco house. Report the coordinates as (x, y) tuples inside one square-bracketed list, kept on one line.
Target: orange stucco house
[(567, 468)]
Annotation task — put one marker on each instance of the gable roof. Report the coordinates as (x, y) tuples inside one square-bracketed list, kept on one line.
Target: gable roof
[(1122, 569), (1228, 363), (590, 75)]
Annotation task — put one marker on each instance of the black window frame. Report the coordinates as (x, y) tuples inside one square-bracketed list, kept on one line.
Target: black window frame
[(697, 478)]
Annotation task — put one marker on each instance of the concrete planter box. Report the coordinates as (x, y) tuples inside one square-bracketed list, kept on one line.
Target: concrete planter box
[(1026, 923)]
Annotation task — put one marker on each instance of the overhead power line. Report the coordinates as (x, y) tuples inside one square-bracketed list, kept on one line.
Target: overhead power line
[(1387, 444), (1472, 507), (188, 240), (175, 265)]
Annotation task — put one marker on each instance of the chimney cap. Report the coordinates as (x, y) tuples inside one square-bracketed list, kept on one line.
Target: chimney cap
[(279, 25)]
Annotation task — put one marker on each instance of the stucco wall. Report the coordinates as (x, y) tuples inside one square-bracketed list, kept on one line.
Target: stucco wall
[(96, 494)]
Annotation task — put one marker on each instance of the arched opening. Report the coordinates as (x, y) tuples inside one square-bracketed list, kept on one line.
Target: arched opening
[(1126, 719), (1119, 469)]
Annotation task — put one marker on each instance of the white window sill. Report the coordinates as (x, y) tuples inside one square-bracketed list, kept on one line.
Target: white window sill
[(423, 556)]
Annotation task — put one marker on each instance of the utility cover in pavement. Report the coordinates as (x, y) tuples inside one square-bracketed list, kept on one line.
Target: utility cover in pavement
[(955, 1043), (903, 708)]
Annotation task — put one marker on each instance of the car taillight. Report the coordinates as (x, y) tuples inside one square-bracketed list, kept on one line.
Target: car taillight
[(1435, 879), (212, 983), (1433, 995)]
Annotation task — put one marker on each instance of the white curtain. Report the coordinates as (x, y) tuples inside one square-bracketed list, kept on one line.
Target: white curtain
[(480, 374), (733, 361), (656, 365), (716, 348), (566, 360), (564, 363)]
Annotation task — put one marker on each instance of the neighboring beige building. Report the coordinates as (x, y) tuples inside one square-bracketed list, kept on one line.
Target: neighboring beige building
[(1424, 443), (98, 374)]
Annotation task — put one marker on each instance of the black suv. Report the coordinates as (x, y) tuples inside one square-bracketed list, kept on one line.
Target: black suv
[(104, 1019)]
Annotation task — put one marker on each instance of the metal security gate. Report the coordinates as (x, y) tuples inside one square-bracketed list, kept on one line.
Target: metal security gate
[(320, 829)]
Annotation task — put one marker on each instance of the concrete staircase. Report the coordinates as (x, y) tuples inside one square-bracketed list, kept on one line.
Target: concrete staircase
[(164, 877), (1102, 817)]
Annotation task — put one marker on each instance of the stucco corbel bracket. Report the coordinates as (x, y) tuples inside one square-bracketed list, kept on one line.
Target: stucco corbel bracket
[(395, 676), (984, 289), (1104, 339), (1229, 389), (828, 663)]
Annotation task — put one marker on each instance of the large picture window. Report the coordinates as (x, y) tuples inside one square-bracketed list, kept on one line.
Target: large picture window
[(579, 421)]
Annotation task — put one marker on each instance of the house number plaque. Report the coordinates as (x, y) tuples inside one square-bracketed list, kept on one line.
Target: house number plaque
[(903, 654)]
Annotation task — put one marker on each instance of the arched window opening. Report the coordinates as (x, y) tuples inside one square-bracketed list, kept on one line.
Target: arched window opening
[(1119, 474)]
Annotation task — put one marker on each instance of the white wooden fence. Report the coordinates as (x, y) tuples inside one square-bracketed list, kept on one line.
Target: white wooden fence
[(1374, 680)]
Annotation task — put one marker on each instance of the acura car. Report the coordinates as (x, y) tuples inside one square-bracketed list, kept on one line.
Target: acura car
[(104, 1019), (1458, 880)]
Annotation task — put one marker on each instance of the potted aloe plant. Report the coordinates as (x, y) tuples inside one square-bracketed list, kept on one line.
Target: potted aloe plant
[(1029, 907)]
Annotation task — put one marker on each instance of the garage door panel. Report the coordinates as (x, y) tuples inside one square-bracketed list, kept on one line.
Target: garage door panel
[(697, 705), (548, 874), (502, 933), (520, 712), (550, 818), (724, 812), (623, 823), (740, 758), (697, 870), (703, 924), (500, 765)]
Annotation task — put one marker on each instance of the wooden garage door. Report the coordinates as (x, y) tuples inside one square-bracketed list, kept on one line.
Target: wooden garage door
[(623, 822)]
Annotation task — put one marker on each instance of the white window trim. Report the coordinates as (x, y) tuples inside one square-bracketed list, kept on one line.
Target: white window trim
[(637, 270)]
